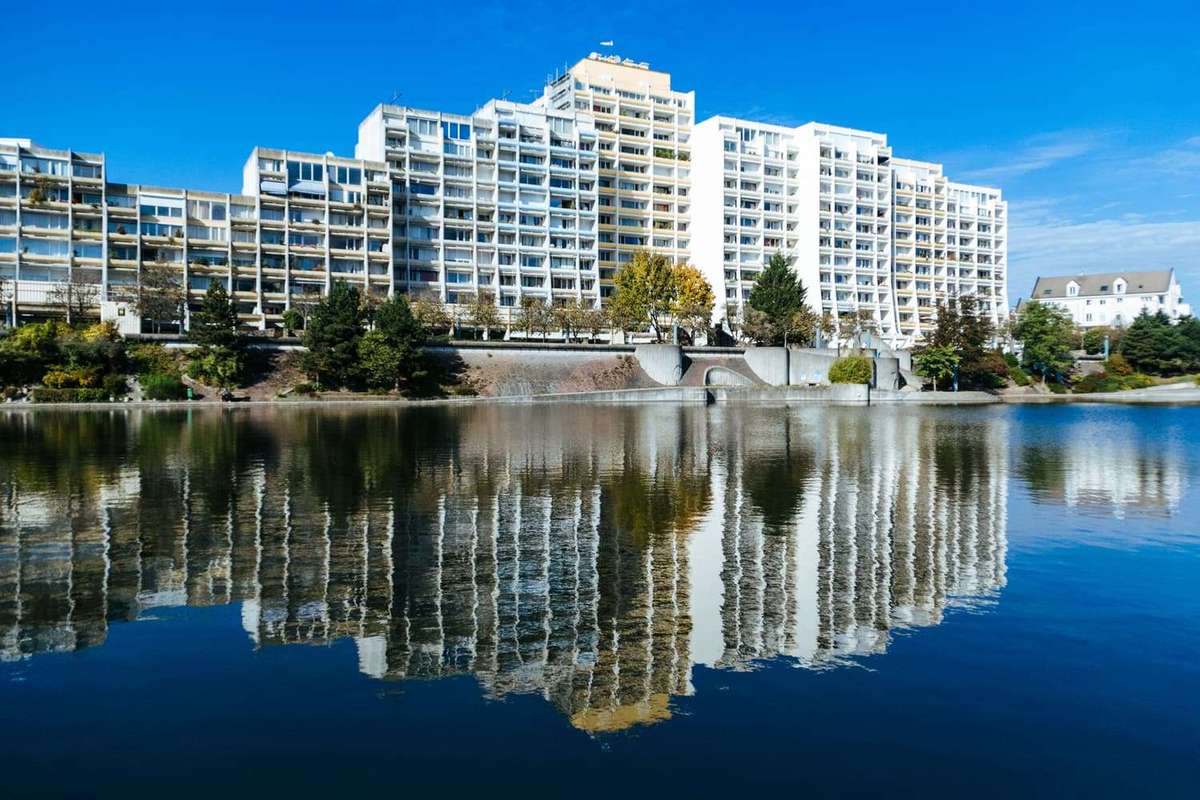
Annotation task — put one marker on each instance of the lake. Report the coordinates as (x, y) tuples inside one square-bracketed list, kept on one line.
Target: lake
[(308, 601)]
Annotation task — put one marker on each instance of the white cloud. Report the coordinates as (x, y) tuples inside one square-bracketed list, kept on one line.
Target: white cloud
[(1182, 160), (1038, 153)]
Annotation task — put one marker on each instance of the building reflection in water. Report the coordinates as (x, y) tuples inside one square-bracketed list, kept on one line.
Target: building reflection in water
[(591, 555), (1107, 471)]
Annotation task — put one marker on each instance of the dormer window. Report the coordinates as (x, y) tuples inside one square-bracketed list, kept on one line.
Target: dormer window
[(1072, 289), (1119, 286)]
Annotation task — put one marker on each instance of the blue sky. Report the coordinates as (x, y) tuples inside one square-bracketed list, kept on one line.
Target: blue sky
[(1087, 115)]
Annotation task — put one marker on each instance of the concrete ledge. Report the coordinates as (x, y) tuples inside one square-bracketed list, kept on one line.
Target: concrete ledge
[(836, 395), (885, 397), (680, 395)]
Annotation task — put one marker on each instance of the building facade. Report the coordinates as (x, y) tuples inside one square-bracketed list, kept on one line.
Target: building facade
[(544, 200), (503, 201), (864, 230), (644, 128), (1113, 298)]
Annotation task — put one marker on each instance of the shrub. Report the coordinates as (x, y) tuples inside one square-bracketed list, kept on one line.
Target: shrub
[(851, 369), (48, 395), (147, 359), (115, 385), (9, 392), (304, 389), (76, 378), (1056, 388), (163, 386), (1117, 364), (216, 366)]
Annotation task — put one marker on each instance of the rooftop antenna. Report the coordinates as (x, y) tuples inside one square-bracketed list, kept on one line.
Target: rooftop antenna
[(395, 96), (504, 94), (607, 43)]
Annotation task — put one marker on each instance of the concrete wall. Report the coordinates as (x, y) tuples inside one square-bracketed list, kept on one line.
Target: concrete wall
[(881, 397), (839, 395), (887, 373), (662, 362), (806, 365), (770, 364), (685, 395)]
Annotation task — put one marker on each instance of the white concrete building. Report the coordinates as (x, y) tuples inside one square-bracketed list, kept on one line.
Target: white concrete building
[(863, 230), (503, 200), (1113, 298), (644, 128)]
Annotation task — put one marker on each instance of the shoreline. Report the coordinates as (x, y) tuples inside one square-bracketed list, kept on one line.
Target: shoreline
[(843, 395)]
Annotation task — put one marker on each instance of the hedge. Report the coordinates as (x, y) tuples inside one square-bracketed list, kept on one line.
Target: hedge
[(851, 369), (48, 395), (163, 386)]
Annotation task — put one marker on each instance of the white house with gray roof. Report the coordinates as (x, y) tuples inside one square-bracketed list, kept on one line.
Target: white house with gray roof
[(1113, 298)]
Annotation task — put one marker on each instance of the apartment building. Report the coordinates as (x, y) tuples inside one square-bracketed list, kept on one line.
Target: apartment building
[(303, 221), (1113, 298), (316, 219), (644, 129), (863, 229), (950, 239), (503, 200), (544, 200)]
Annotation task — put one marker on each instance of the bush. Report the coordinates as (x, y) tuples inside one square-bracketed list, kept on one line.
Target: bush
[(851, 369), (115, 385), (147, 359), (77, 378), (1117, 364), (163, 386), (47, 395), (1105, 381), (304, 389), (1056, 388), (216, 366), (1019, 376)]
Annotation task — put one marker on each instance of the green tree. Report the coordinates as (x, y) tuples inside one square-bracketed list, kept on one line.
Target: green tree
[(961, 326), (219, 357), (1046, 334), (646, 290), (1093, 339), (937, 362), (216, 323), (331, 337), (390, 354), (778, 294)]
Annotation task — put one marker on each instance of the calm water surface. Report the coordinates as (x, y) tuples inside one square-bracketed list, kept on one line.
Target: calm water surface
[(582, 601)]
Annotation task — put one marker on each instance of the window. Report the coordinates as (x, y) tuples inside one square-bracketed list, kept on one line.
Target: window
[(345, 175), (456, 130), (206, 209), (422, 127), (304, 171), (149, 210)]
